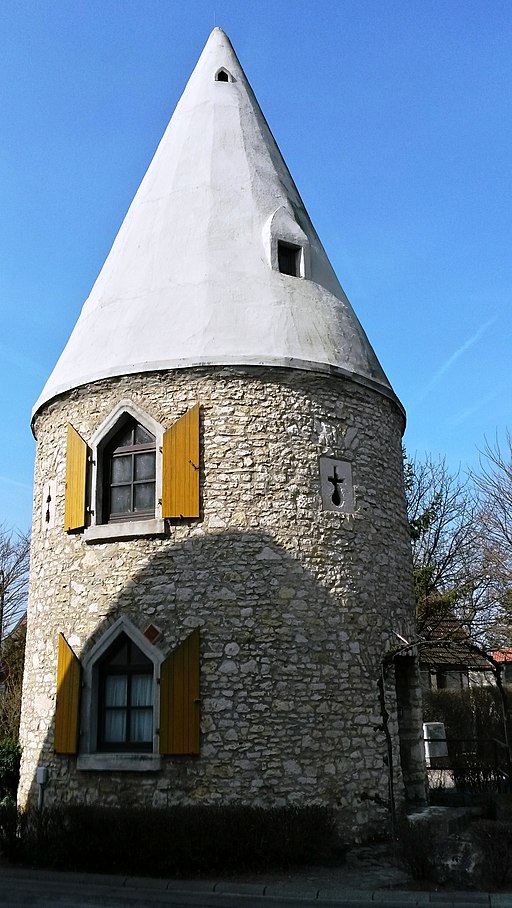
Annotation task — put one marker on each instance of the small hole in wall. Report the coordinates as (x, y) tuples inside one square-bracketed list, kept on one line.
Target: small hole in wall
[(48, 503), (222, 76)]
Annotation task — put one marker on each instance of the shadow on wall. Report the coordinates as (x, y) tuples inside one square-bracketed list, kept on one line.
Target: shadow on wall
[(221, 671)]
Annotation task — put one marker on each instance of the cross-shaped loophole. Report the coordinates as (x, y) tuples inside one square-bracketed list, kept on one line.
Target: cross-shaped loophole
[(336, 481)]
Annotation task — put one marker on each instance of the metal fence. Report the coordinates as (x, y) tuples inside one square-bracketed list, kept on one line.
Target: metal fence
[(475, 764)]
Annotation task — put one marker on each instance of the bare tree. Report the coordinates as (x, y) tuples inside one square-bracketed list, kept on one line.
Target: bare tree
[(14, 563), (450, 574), (494, 482), (13, 653)]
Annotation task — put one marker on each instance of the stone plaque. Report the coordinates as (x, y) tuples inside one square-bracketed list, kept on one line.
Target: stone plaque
[(336, 485)]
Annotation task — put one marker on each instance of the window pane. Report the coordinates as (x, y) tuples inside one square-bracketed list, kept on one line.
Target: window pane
[(115, 726), (145, 466), (121, 468), (142, 690), (141, 725), (120, 656), (138, 658), (125, 436), (142, 436), (144, 497), (120, 500), (115, 690)]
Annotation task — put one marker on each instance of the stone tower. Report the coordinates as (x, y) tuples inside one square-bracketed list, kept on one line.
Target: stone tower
[(220, 563)]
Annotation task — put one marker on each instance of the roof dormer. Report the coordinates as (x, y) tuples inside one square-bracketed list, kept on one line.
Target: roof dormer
[(222, 75), (286, 244)]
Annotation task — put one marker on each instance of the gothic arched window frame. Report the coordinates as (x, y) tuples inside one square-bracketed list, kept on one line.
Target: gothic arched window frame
[(129, 473), (125, 698), (93, 753), (177, 476), (102, 523)]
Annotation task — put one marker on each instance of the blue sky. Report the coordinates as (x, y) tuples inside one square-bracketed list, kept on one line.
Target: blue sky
[(394, 117)]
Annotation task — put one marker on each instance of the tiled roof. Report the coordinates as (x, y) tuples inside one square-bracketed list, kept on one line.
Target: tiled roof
[(448, 645), (502, 655)]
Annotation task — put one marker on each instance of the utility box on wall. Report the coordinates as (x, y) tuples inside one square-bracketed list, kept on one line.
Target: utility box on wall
[(436, 747)]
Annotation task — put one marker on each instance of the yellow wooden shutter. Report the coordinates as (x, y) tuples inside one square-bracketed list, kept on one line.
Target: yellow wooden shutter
[(76, 468), (180, 708), (68, 700), (180, 467)]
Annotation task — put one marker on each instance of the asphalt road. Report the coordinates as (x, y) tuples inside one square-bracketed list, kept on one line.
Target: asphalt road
[(21, 892), (31, 889)]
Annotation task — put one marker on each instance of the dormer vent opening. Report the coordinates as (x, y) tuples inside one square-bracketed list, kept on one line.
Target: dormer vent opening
[(289, 258), (286, 244), (222, 75)]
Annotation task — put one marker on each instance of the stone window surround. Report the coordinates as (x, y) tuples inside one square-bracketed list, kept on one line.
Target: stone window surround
[(105, 532), (88, 757)]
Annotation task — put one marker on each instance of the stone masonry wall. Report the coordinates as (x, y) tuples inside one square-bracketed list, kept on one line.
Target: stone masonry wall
[(297, 605)]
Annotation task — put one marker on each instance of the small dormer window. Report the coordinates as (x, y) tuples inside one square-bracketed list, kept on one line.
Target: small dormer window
[(288, 258), (222, 76), (286, 245)]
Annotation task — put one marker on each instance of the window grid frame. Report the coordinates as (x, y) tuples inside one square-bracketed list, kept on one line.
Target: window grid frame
[(124, 670), (113, 452)]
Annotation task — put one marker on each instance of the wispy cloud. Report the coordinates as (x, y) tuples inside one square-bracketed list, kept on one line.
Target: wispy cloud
[(458, 418), (437, 376), (6, 480)]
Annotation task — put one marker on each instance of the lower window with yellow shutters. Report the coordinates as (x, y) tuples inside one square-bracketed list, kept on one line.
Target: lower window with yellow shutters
[(127, 705)]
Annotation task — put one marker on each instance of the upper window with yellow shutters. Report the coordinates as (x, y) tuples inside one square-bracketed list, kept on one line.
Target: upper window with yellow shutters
[(132, 475)]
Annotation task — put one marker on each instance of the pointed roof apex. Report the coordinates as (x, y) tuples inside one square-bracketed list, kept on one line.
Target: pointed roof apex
[(218, 53), (216, 261), (219, 32)]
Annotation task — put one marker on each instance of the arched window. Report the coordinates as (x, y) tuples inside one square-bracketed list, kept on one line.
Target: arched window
[(125, 704), (125, 698), (132, 475), (222, 75), (129, 473)]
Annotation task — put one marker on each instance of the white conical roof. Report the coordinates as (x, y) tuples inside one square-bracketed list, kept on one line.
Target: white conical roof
[(192, 277)]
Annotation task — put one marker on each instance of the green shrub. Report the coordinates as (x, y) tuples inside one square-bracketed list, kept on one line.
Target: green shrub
[(476, 779), (500, 807), (9, 841), (474, 712), (10, 756), (493, 840), (417, 848), (176, 841)]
